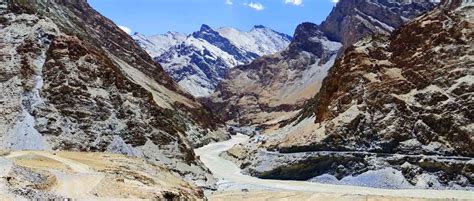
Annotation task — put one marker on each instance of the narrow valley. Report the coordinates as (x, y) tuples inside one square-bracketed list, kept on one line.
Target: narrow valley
[(237, 100)]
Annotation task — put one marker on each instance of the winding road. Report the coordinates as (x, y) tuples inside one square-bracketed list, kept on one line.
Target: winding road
[(231, 179)]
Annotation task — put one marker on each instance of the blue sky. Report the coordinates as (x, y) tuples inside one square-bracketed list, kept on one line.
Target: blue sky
[(159, 16)]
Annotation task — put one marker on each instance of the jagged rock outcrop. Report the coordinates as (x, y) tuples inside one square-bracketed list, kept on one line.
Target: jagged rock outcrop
[(273, 88), (351, 20), (72, 80), (199, 61), (401, 103)]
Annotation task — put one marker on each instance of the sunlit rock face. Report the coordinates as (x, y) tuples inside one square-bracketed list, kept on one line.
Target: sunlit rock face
[(400, 103), (351, 20), (72, 80)]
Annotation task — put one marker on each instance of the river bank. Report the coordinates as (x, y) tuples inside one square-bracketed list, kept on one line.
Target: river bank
[(234, 184)]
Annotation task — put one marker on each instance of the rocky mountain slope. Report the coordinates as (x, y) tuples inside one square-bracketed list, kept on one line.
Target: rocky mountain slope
[(200, 60), (35, 175), (395, 111), (351, 20), (273, 88), (72, 80)]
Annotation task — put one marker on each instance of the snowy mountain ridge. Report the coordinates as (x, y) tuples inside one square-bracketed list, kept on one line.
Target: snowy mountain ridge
[(158, 44), (199, 61)]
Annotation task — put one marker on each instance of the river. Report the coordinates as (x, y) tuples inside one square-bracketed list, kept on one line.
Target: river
[(231, 179)]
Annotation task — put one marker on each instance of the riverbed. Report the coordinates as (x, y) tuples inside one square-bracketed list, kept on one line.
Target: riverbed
[(232, 180)]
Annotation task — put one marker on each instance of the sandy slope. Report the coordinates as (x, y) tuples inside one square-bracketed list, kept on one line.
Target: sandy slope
[(76, 185), (88, 176), (232, 179)]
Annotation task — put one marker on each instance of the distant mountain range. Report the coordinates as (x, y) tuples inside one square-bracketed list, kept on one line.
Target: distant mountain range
[(200, 60)]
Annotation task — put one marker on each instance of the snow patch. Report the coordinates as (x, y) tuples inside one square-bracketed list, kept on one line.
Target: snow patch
[(261, 41)]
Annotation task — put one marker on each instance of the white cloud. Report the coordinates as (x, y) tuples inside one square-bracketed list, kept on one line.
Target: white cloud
[(256, 6), (335, 1), (126, 29), (229, 2), (295, 2)]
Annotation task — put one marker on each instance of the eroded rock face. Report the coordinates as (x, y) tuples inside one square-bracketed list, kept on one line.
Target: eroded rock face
[(273, 88), (351, 20), (72, 80), (408, 94), (385, 97), (359, 168)]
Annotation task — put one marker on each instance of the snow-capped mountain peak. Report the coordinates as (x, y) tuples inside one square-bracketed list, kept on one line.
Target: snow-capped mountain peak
[(206, 28), (205, 32), (200, 60), (259, 27)]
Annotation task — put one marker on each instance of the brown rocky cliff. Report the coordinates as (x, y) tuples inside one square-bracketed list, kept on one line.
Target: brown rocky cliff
[(77, 82), (400, 104), (90, 25), (351, 20), (411, 87)]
